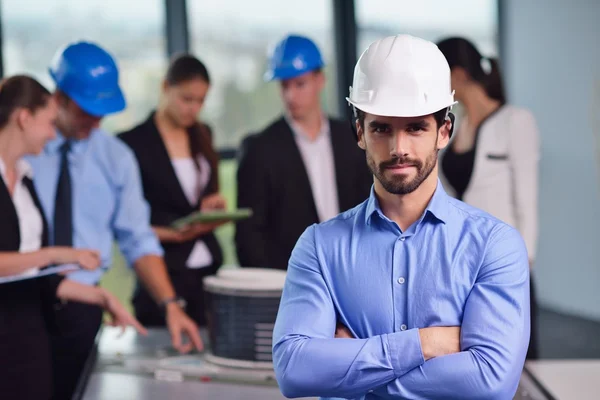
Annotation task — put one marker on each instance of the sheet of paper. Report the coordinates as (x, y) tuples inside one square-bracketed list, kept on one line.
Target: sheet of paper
[(36, 273)]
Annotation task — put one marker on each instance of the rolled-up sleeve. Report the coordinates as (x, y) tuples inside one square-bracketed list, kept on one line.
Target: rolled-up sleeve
[(131, 221), (308, 360)]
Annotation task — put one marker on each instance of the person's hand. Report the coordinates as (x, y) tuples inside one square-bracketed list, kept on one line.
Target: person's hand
[(196, 230), (87, 259), (342, 332), (439, 341), (119, 315), (213, 202), (180, 324)]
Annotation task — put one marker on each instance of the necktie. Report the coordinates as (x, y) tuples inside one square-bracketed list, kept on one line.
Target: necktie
[(63, 207)]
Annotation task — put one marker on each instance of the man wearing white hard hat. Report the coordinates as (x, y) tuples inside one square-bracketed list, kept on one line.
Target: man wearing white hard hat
[(411, 294)]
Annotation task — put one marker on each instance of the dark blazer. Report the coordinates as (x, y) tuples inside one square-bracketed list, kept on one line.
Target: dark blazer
[(273, 181), (25, 314), (164, 193), (10, 234)]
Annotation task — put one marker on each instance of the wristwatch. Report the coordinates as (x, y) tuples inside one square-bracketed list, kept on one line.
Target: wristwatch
[(180, 301)]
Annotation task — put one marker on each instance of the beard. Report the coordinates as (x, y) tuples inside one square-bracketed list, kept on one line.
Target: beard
[(402, 184)]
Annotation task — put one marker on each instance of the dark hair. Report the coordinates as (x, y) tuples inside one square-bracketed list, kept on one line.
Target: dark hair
[(439, 116), (183, 68), (186, 67), (461, 53), (21, 91)]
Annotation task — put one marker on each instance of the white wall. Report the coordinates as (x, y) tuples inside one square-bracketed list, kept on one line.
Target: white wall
[(551, 60)]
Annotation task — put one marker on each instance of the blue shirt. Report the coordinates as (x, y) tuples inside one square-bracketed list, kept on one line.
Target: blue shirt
[(108, 201), (455, 266)]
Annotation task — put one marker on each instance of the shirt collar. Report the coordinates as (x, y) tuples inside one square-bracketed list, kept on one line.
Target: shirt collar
[(437, 207), (54, 145), (23, 169), (298, 131)]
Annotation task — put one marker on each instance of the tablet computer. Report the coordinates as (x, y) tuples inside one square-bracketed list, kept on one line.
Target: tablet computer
[(213, 216)]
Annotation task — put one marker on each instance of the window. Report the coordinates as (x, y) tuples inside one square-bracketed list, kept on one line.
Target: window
[(477, 20), (132, 31), (232, 37)]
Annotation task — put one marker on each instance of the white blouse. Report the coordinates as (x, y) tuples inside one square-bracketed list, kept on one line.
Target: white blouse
[(30, 220), (193, 182), (505, 176)]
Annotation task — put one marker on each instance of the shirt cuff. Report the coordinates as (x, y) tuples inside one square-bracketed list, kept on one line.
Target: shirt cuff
[(405, 351), (151, 248)]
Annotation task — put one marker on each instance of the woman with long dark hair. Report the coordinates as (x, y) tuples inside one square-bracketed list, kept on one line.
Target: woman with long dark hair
[(493, 160), (27, 115), (180, 175)]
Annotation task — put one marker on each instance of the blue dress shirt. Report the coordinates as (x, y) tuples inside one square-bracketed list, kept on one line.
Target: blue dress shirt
[(455, 266), (108, 201)]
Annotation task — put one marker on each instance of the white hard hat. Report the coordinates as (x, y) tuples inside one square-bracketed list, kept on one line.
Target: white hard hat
[(401, 76)]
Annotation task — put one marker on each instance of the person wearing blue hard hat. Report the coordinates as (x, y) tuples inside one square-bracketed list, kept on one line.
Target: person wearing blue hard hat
[(89, 76), (304, 168), (90, 188), (292, 57)]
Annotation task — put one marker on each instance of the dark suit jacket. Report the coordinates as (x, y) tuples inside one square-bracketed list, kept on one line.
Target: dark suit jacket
[(164, 193), (10, 240), (273, 181), (10, 235), (25, 313)]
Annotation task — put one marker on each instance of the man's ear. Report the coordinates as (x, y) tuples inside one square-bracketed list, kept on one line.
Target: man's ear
[(360, 135), (321, 79), (165, 85), (445, 132)]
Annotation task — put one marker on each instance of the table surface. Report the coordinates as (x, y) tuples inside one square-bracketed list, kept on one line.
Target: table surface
[(568, 379), (110, 380), (116, 374)]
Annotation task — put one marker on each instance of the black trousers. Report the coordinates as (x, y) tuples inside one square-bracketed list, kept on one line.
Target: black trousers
[(73, 333), (532, 351)]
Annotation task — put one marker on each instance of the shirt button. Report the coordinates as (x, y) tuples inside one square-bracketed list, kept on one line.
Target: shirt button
[(402, 239), (403, 327), (401, 280)]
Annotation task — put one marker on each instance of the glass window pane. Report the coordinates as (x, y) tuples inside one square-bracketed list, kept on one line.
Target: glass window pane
[(132, 31), (232, 37), (433, 20)]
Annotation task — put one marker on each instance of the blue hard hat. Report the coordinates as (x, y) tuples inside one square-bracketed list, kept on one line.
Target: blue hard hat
[(89, 76), (292, 57)]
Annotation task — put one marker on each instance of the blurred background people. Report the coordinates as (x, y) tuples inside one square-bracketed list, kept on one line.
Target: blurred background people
[(88, 182), (303, 168), (27, 116), (180, 175), (492, 162)]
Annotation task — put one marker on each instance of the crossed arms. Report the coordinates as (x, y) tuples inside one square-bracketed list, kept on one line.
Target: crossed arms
[(416, 363)]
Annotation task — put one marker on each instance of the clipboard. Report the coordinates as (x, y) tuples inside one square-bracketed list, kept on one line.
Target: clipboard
[(213, 216), (37, 273)]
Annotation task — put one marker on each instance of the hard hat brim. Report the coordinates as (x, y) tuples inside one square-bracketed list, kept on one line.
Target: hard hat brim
[(101, 107), (387, 112)]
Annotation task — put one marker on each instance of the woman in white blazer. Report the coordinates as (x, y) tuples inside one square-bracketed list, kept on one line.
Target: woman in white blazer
[(492, 161)]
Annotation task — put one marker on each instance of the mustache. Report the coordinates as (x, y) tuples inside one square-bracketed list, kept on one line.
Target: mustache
[(399, 161)]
